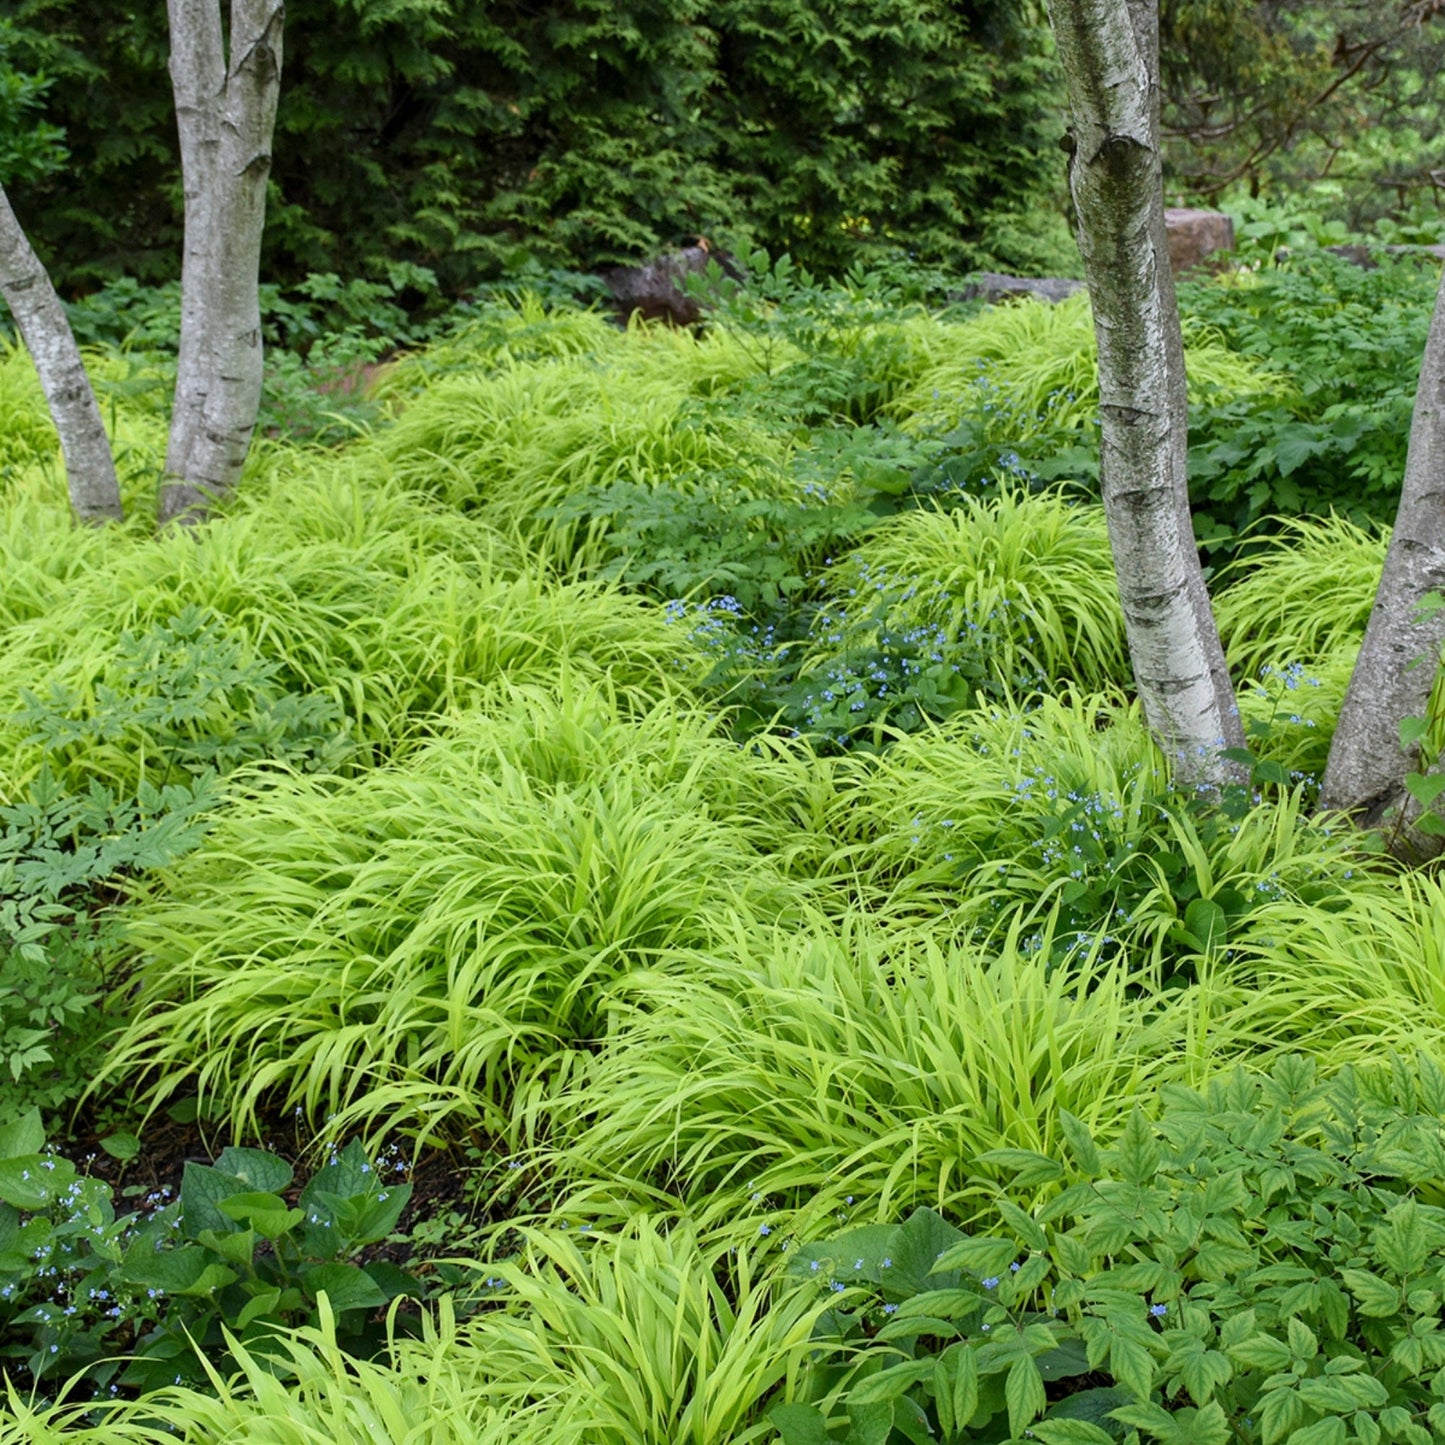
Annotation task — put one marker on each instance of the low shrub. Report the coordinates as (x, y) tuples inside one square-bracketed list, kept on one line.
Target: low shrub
[(1352, 337), (56, 1007), (63, 855), (1261, 1263), (175, 703)]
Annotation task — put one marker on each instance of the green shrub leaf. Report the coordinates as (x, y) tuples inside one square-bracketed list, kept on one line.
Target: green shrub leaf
[(26, 1135), (1329, 1431), (1375, 1297), (1024, 1391), (1024, 1168)]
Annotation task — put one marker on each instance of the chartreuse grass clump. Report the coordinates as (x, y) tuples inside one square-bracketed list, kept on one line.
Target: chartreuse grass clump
[(27, 437), (502, 335), (855, 1065), (517, 444), (659, 1333), (402, 949), (1042, 358), (348, 589), (127, 388), (1352, 983), (1292, 617), (1068, 812), (302, 1389), (1024, 582), (1304, 598), (997, 597)]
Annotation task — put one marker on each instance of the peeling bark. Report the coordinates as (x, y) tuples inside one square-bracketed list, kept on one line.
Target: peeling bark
[(1367, 765), (226, 114), (45, 330), (1109, 52)]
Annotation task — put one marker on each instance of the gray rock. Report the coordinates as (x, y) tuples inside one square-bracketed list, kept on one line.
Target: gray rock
[(992, 287)]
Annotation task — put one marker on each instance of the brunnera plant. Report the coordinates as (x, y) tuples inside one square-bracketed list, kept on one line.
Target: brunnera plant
[(144, 1299)]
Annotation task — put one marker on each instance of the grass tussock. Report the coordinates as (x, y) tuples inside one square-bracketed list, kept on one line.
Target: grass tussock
[(368, 597), (404, 947), (1305, 599), (646, 1336), (1357, 981), (655, 1334), (306, 1390), (1040, 359), (859, 1067), (1025, 582)]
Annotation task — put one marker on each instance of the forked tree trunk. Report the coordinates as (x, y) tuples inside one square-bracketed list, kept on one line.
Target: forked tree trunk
[(1109, 53), (45, 330), (226, 113), (1398, 659)]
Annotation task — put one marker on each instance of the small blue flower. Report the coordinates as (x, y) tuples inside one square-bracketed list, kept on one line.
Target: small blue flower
[(1158, 1310)]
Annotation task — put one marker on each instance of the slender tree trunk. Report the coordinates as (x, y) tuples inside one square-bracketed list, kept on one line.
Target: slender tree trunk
[(1399, 657), (226, 113), (1109, 52), (45, 330)]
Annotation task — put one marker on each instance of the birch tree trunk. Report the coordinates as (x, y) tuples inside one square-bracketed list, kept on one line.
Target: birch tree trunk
[(1367, 764), (45, 330), (1109, 51), (226, 114)]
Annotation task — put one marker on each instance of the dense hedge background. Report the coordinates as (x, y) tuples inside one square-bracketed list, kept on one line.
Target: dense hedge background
[(476, 138)]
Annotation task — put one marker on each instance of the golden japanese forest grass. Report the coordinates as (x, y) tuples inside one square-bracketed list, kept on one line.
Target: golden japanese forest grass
[(712, 992)]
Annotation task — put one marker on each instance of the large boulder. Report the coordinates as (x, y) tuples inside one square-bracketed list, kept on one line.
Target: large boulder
[(993, 287), (658, 289), (1196, 235)]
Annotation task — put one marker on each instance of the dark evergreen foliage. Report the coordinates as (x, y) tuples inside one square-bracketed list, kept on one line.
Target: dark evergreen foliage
[(477, 139)]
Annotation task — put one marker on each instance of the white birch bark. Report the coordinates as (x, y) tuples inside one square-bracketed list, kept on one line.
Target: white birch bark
[(1109, 53), (226, 114), (45, 330), (1367, 765)]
